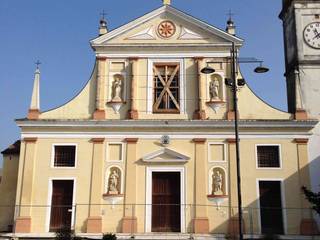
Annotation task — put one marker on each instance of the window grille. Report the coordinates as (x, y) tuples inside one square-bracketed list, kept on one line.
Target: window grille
[(166, 84), (64, 156), (268, 156)]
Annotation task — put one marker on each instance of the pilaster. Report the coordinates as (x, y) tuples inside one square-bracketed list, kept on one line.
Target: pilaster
[(233, 224), (308, 225), (94, 221), (129, 221), (100, 112), (200, 222), (23, 221), (133, 112), (201, 112)]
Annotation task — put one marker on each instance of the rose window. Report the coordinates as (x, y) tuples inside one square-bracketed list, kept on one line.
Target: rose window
[(166, 29)]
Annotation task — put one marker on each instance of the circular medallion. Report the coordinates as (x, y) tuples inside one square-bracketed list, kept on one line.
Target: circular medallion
[(311, 35), (166, 29)]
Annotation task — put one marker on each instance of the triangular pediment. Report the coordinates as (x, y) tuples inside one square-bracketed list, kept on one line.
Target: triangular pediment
[(165, 155), (166, 25)]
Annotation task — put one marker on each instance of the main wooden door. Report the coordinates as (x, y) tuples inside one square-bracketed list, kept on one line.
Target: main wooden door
[(271, 207), (166, 209), (61, 204)]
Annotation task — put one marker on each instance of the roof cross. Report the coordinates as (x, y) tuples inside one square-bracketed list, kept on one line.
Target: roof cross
[(37, 63), (103, 14), (230, 14)]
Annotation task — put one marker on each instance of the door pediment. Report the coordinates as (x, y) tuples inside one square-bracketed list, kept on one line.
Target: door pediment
[(165, 155)]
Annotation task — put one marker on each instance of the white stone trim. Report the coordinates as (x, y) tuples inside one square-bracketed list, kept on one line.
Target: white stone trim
[(182, 101), (64, 144), (283, 202), (268, 168), (48, 214), (183, 187), (176, 157), (164, 55), (158, 135)]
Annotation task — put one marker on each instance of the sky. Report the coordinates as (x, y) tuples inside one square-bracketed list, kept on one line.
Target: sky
[(58, 32)]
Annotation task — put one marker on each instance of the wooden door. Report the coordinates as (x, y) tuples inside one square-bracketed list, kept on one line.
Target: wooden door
[(166, 209), (61, 204), (271, 207)]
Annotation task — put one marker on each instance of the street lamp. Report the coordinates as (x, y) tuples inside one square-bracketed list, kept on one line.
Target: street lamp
[(234, 83)]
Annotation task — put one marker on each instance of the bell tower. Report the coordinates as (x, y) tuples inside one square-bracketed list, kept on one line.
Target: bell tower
[(301, 28)]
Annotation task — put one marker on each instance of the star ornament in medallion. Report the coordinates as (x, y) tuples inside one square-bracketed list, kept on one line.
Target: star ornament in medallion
[(166, 29)]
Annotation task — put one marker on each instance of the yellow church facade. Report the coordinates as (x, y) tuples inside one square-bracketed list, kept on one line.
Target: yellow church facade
[(148, 144)]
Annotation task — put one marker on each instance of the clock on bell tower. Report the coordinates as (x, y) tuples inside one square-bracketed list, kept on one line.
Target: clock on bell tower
[(301, 28)]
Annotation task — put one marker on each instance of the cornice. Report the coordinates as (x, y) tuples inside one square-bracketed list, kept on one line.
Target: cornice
[(304, 125)]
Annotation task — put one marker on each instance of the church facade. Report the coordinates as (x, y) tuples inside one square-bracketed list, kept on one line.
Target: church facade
[(148, 144)]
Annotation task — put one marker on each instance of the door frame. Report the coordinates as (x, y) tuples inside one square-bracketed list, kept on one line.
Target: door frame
[(283, 201), (149, 171), (49, 201)]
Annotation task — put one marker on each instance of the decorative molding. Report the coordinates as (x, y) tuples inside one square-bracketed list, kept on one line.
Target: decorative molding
[(187, 34), (170, 156), (101, 58), (30, 139), (146, 34), (231, 140), (131, 140), (98, 140), (199, 140), (302, 141)]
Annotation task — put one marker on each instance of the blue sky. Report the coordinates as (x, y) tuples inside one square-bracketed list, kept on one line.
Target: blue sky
[(58, 33)]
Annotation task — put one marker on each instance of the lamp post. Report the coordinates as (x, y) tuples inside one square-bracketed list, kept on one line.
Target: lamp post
[(234, 83)]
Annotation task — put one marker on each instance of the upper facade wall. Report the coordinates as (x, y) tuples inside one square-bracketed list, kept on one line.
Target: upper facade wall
[(150, 69)]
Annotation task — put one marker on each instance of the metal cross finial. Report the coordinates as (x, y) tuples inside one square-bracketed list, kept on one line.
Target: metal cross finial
[(37, 63), (103, 14), (230, 14)]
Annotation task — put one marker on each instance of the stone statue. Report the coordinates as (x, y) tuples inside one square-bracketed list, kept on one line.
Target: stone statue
[(217, 180), (113, 183), (117, 89), (214, 88)]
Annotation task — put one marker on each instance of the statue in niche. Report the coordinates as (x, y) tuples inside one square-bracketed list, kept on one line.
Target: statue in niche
[(113, 184), (217, 181), (117, 88), (214, 88)]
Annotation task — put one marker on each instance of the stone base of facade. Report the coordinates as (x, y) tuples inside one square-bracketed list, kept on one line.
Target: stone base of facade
[(230, 115), (200, 115), (308, 227), (300, 114), (201, 225), (33, 114), (94, 225), (133, 114), (23, 225), (233, 226), (99, 115), (129, 224)]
